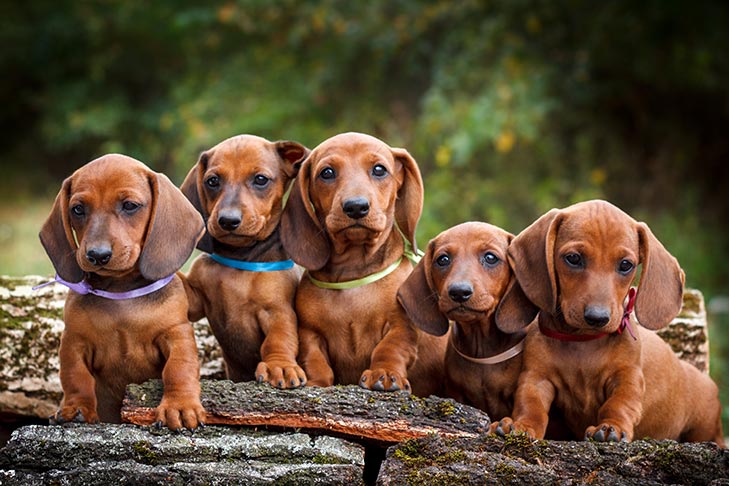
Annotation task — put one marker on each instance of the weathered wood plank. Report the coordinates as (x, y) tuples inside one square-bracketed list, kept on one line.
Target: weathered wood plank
[(347, 411)]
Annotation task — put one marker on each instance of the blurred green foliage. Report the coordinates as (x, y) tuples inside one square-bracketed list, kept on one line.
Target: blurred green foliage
[(511, 107)]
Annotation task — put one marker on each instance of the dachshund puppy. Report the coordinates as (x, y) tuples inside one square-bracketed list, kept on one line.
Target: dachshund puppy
[(245, 283), (116, 235), (350, 221), (462, 277), (612, 380)]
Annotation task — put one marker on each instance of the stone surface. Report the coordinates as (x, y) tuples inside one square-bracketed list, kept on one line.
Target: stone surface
[(349, 411), (127, 454), (520, 460)]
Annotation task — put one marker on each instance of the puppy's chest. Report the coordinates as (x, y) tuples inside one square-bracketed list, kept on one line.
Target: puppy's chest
[(234, 295), (122, 336), (584, 378), (354, 311), (125, 355), (488, 387)]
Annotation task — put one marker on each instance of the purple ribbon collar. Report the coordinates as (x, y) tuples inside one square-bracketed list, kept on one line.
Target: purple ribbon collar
[(84, 288)]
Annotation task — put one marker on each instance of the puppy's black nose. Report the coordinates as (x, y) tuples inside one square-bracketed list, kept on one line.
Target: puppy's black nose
[(229, 220), (356, 207), (460, 291), (98, 256), (597, 316)]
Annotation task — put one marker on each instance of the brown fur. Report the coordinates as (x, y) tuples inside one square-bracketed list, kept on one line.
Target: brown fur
[(107, 344), (358, 335), (250, 313), (612, 388), (455, 263)]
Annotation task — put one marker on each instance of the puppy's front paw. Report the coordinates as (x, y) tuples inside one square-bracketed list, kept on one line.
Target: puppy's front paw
[(74, 413), (507, 426), (176, 413), (383, 380), (280, 374), (606, 433)]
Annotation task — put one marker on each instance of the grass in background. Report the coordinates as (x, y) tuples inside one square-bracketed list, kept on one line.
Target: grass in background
[(21, 252)]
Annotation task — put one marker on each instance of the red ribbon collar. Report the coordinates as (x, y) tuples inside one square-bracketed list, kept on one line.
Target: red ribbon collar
[(624, 324)]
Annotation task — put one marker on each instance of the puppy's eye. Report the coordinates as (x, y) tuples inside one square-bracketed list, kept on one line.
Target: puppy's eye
[(625, 267), (260, 181), (443, 261), (213, 182), (327, 174), (379, 171), (130, 206), (490, 259), (78, 210), (573, 260)]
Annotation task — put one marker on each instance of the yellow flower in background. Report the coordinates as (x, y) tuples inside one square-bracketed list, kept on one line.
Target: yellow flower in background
[(505, 141), (443, 156), (598, 176), (226, 12)]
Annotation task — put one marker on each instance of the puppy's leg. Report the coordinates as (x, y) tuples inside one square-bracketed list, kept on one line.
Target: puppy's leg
[(623, 408), (79, 386), (532, 401), (194, 291), (703, 407), (391, 358), (180, 405), (314, 358), (279, 349)]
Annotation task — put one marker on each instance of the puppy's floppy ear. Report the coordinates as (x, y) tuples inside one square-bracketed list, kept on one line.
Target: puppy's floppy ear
[(409, 204), (420, 301), (174, 228), (302, 236), (192, 187), (531, 254), (660, 292), (293, 154), (56, 236), (515, 311)]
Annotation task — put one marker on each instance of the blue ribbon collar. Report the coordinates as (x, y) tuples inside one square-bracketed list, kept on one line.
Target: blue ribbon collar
[(253, 266)]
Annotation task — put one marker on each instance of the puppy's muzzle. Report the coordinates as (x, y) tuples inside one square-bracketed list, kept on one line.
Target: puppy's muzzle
[(356, 207), (596, 316), (229, 220), (98, 256), (460, 292)]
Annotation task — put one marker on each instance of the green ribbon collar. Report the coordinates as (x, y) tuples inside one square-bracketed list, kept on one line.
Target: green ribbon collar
[(413, 256)]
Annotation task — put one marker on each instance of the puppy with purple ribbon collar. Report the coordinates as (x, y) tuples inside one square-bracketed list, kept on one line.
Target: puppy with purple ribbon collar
[(116, 235)]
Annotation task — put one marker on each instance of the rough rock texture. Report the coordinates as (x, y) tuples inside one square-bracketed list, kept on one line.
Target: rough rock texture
[(31, 324), (688, 333), (350, 411), (30, 329), (126, 454), (520, 460)]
